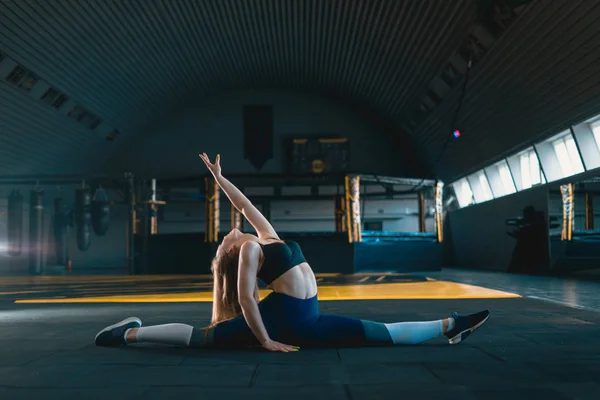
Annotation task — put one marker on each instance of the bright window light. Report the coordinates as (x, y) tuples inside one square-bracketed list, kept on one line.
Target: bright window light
[(500, 178), (568, 155), (463, 191), (506, 178), (596, 131), (531, 174), (480, 186), (574, 155), (485, 187)]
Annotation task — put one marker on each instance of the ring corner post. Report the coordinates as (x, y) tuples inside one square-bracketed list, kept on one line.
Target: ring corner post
[(352, 185), (348, 197), (211, 234), (568, 211), (439, 209)]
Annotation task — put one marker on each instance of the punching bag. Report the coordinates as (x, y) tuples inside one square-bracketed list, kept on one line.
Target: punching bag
[(61, 232), (100, 212), (83, 218), (15, 223), (36, 232)]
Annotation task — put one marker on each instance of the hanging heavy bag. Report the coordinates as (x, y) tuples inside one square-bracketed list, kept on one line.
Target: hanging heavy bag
[(36, 232), (15, 223), (83, 218), (100, 212), (61, 232)]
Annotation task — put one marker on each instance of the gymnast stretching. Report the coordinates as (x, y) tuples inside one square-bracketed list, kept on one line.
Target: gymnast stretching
[(289, 316)]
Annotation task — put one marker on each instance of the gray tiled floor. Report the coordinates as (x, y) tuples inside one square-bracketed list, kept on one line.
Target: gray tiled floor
[(528, 349), (583, 293)]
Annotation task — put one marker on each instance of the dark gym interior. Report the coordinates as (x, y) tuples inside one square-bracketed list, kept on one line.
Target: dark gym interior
[(429, 156)]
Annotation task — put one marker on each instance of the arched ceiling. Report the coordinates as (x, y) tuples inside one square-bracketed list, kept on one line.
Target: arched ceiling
[(129, 62)]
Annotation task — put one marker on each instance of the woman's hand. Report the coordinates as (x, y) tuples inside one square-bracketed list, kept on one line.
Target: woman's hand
[(272, 345), (215, 168)]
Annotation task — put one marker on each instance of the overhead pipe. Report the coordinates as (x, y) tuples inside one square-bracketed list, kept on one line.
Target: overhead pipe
[(50, 179)]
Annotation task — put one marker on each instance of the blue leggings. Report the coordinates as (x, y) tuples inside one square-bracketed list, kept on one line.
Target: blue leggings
[(297, 322)]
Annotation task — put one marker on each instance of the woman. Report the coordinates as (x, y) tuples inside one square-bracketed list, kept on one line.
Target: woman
[(289, 316)]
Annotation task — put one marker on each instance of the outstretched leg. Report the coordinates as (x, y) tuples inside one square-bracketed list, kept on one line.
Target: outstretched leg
[(232, 333), (326, 331), (181, 335), (332, 330), (405, 332), (130, 331)]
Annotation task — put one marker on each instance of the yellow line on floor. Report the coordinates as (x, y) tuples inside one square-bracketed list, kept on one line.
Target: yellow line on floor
[(386, 291)]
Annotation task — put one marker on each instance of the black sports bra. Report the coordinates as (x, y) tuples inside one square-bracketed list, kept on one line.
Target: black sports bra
[(278, 259)]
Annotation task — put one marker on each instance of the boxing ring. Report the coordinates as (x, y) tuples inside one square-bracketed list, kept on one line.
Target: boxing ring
[(574, 234), (347, 249)]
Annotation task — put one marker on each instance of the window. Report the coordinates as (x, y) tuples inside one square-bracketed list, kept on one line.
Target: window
[(112, 135), (16, 75), (480, 187), (506, 178), (559, 156), (568, 155), (485, 186), (76, 113), (54, 98), (526, 169), (59, 102), (587, 138), (531, 173), (50, 96), (464, 195), (22, 78), (596, 131), (501, 179), (89, 120)]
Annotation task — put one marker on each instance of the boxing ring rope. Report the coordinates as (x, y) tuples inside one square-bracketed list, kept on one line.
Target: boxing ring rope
[(348, 216), (353, 207)]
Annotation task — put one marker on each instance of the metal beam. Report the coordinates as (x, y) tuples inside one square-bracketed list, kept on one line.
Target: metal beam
[(396, 180)]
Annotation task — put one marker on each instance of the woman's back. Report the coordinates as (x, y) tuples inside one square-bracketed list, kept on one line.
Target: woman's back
[(298, 282), (285, 269)]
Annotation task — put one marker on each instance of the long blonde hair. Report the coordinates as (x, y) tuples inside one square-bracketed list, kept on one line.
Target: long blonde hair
[(226, 303)]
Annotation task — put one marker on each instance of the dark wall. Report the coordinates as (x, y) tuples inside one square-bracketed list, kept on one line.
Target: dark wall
[(478, 236), (215, 125)]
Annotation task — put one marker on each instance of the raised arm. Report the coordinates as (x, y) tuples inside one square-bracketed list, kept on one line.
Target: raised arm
[(263, 228)]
